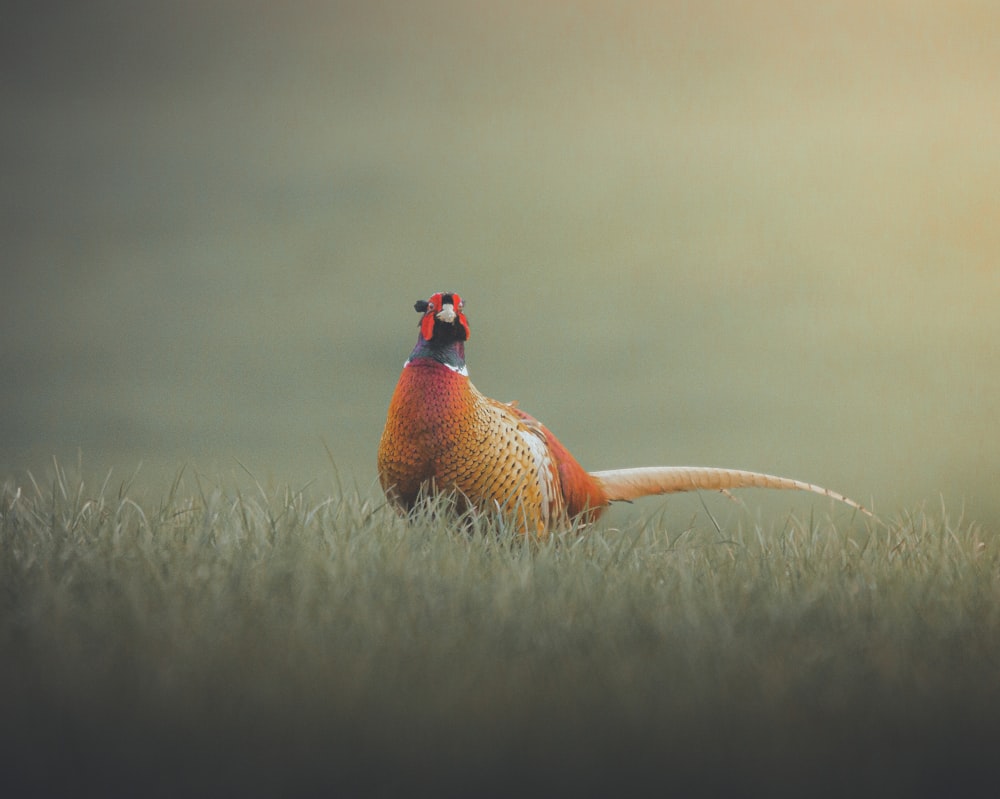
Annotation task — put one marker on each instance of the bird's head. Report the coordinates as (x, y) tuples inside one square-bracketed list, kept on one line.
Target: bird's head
[(442, 319)]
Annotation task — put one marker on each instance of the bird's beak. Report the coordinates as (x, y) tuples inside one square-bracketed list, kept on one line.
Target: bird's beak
[(447, 313)]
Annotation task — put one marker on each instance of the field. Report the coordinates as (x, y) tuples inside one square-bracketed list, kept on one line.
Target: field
[(297, 641), (748, 235)]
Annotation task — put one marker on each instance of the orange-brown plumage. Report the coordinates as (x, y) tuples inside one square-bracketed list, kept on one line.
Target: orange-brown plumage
[(443, 435)]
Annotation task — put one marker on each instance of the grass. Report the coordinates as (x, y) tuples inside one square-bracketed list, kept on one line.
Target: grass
[(215, 641)]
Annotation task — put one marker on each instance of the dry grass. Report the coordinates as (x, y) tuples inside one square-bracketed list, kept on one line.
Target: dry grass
[(287, 643)]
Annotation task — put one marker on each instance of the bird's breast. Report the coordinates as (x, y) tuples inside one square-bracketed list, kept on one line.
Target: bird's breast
[(444, 434)]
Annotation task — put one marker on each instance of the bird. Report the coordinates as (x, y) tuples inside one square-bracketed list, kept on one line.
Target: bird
[(443, 436)]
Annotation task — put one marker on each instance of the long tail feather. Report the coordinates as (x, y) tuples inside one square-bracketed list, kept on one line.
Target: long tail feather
[(625, 484)]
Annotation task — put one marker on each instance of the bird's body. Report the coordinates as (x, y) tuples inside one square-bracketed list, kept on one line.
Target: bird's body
[(442, 435)]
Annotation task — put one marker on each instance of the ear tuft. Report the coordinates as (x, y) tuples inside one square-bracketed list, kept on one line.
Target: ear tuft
[(420, 306)]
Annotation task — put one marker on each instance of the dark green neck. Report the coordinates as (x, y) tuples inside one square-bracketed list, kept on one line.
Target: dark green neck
[(450, 353)]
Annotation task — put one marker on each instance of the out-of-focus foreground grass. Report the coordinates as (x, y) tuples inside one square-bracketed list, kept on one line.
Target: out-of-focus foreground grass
[(211, 641)]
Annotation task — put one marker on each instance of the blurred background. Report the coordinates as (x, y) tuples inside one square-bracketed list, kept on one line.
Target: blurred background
[(759, 235)]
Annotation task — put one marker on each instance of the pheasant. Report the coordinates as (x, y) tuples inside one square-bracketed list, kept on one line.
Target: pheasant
[(444, 436)]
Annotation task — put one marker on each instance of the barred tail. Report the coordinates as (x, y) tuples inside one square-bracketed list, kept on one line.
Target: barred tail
[(625, 484)]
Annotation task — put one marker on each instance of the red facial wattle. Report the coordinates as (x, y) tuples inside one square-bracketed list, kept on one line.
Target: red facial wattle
[(434, 306), (427, 324)]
